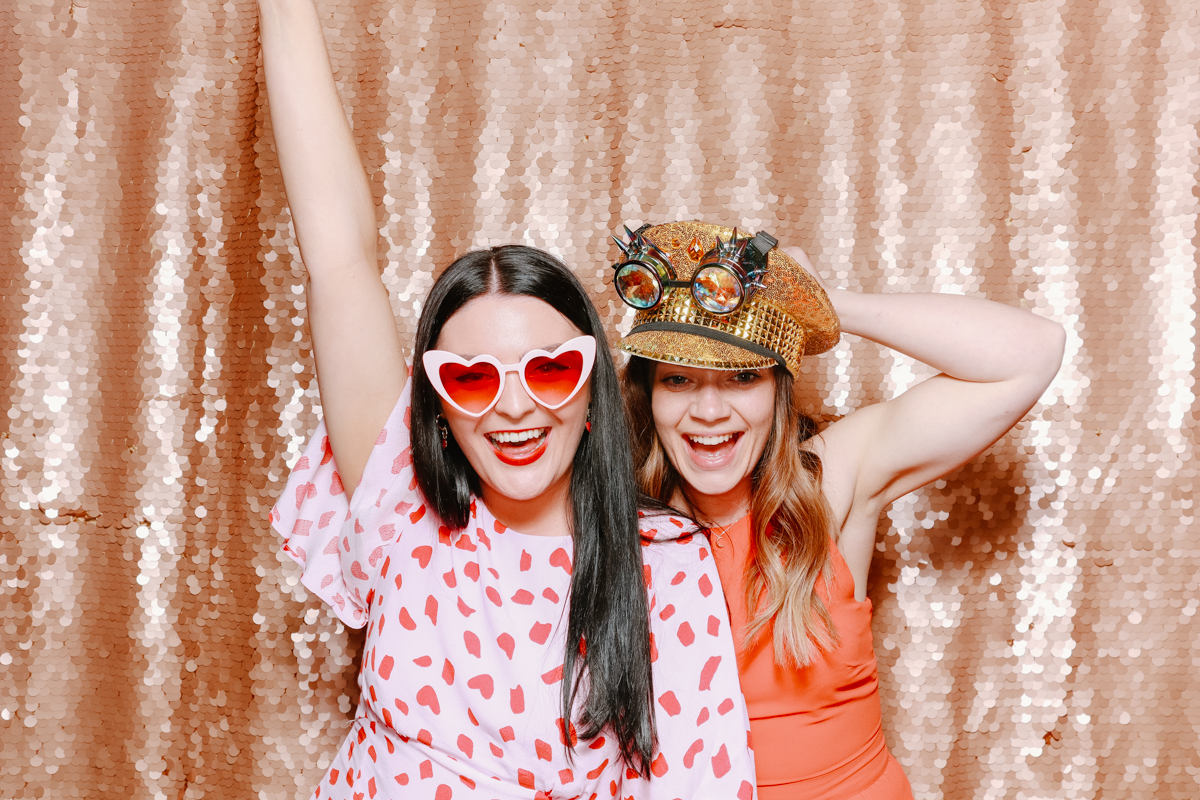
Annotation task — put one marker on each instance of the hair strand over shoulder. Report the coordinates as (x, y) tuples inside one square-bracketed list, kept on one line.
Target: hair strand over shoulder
[(792, 522)]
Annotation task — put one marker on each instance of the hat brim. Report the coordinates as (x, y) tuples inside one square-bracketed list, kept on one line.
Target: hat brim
[(692, 350)]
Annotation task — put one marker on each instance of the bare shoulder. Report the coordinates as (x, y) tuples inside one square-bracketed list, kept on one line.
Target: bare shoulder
[(841, 447)]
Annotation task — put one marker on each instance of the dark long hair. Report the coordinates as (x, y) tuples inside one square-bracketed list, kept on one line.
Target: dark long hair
[(608, 607)]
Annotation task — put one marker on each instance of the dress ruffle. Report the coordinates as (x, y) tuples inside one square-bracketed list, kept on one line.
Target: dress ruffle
[(336, 539)]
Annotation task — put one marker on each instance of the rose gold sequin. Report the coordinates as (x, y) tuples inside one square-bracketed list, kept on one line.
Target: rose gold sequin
[(1035, 611)]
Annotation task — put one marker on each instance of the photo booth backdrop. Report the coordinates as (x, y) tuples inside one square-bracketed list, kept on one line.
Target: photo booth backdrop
[(1035, 611)]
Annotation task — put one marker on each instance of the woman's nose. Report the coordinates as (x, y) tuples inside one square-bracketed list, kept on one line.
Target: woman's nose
[(514, 401), (710, 404)]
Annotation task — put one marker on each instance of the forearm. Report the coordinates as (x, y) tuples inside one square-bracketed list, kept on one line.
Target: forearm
[(359, 356), (968, 338), (327, 189)]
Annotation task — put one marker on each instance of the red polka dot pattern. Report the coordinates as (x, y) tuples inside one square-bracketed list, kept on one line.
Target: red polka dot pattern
[(460, 696)]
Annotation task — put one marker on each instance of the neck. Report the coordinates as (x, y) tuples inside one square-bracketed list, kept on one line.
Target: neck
[(548, 514), (721, 510)]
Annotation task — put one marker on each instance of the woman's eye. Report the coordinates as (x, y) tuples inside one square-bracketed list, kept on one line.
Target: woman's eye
[(745, 377), (675, 380), (549, 368)]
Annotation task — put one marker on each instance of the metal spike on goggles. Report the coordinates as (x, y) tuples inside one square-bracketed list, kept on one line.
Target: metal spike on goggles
[(643, 273), (727, 276)]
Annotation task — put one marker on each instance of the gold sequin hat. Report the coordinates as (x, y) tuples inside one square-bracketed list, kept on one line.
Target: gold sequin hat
[(789, 317)]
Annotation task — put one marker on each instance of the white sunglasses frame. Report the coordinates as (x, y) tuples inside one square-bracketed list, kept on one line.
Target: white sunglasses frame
[(433, 361)]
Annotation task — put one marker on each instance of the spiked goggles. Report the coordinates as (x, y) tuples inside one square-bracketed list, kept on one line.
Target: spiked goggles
[(727, 276), (783, 316)]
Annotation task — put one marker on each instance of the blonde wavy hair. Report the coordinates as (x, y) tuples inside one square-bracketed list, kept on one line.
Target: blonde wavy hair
[(792, 521)]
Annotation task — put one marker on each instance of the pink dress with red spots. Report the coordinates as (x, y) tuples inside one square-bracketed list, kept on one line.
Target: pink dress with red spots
[(462, 666)]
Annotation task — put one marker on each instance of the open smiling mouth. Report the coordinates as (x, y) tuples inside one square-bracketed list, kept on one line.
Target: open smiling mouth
[(712, 451), (518, 448)]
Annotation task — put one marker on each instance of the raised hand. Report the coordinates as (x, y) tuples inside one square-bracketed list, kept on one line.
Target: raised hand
[(360, 362)]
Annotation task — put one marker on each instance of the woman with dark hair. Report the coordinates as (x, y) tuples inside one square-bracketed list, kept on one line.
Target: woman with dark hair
[(481, 521), (722, 324)]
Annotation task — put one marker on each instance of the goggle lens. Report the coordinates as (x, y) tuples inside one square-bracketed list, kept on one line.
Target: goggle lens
[(552, 380), (717, 290), (470, 387), (638, 285)]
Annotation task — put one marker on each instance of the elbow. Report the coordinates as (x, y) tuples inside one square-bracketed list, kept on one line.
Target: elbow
[(1056, 345), (1045, 355)]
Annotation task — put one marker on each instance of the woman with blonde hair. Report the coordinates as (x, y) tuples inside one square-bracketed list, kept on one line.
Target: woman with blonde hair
[(722, 324)]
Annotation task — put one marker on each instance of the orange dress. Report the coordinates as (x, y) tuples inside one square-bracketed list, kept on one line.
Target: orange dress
[(816, 730)]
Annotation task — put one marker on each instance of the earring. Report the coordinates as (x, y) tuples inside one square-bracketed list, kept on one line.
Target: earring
[(443, 430), (588, 425)]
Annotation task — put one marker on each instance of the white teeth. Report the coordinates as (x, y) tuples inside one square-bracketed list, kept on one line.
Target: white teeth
[(711, 440), (512, 437)]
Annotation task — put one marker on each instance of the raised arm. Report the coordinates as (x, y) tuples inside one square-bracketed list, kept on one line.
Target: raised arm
[(360, 361), (995, 361)]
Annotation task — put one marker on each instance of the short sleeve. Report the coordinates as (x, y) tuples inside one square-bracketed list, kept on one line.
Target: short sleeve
[(342, 543), (703, 725)]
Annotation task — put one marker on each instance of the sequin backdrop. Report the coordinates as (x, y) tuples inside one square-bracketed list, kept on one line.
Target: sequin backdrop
[(1035, 610)]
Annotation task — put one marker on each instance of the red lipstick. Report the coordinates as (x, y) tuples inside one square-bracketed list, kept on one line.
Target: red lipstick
[(520, 454)]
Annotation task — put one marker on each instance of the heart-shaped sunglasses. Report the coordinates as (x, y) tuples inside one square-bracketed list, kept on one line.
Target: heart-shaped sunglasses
[(474, 386)]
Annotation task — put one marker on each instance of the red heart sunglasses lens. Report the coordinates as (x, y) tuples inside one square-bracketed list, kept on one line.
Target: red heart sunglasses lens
[(471, 388), (551, 380)]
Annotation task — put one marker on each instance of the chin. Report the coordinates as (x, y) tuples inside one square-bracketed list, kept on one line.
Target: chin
[(520, 487), (525, 482), (521, 482), (712, 485)]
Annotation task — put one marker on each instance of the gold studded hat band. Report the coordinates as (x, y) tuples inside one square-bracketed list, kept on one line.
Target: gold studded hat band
[(719, 336), (788, 318)]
